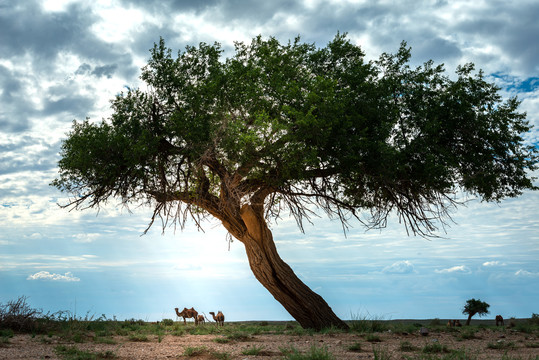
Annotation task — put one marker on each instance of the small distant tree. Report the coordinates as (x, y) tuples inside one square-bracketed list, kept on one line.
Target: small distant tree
[(473, 307)]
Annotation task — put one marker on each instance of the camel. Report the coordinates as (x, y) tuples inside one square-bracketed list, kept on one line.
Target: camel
[(188, 313), (219, 318), (201, 319), (499, 320)]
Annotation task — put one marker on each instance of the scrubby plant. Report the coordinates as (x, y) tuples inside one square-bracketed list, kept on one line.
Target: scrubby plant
[(381, 353), (534, 320), (355, 347), (18, 315), (221, 355), (372, 338), (314, 353), (195, 351), (407, 346), (366, 323), (252, 350), (167, 322), (435, 347)]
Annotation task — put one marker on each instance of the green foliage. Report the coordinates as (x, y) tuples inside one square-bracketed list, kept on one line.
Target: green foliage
[(473, 307), (195, 351), (372, 338), (407, 346), (252, 350), (355, 346), (222, 340), (167, 322), (435, 348), (381, 353), (5, 335), (367, 324), (282, 117), (468, 334)]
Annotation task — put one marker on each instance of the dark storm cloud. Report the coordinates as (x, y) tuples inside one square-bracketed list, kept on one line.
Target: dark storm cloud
[(98, 71), (15, 156), (169, 6)]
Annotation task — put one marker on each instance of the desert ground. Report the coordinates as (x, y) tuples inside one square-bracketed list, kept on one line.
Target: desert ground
[(269, 341)]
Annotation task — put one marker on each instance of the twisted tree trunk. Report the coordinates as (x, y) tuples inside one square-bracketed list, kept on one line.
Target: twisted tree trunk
[(307, 307)]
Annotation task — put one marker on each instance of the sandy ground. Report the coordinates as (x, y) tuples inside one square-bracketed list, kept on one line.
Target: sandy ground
[(524, 346)]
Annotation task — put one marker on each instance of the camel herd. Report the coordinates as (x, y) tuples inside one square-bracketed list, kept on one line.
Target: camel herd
[(200, 319)]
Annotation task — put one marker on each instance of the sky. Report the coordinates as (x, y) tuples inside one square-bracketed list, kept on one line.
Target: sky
[(65, 60)]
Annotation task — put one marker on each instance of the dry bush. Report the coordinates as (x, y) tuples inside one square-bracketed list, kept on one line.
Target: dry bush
[(17, 315)]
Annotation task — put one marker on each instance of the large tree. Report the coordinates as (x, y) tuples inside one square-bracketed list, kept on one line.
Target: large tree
[(295, 128)]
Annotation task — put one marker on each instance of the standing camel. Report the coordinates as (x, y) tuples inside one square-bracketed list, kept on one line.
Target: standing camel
[(219, 318), (188, 313)]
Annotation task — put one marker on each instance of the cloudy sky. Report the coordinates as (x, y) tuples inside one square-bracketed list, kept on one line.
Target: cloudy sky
[(64, 60)]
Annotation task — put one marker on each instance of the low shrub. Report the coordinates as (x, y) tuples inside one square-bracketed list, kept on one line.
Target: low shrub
[(407, 346), (167, 322), (252, 350), (355, 347), (435, 348), (314, 353)]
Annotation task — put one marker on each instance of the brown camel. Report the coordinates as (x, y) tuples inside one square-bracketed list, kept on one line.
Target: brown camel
[(499, 320), (219, 318), (201, 319), (188, 313)]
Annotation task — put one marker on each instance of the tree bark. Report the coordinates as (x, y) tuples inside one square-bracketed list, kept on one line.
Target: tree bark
[(307, 307), (469, 319)]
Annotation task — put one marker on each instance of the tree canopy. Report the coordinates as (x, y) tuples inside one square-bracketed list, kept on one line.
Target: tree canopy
[(291, 127)]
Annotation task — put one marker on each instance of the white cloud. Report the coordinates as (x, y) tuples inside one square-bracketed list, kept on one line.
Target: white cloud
[(86, 238), (493, 263), (455, 269), (399, 267), (45, 275), (526, 273)]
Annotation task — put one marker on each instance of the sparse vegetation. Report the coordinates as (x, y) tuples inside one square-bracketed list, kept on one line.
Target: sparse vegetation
[(501, 345), (245, 338), (195, 351), (407, 346), (381, 353), (73, 353), (314, 353), (355, 347), (252, 350), (435, 348)]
